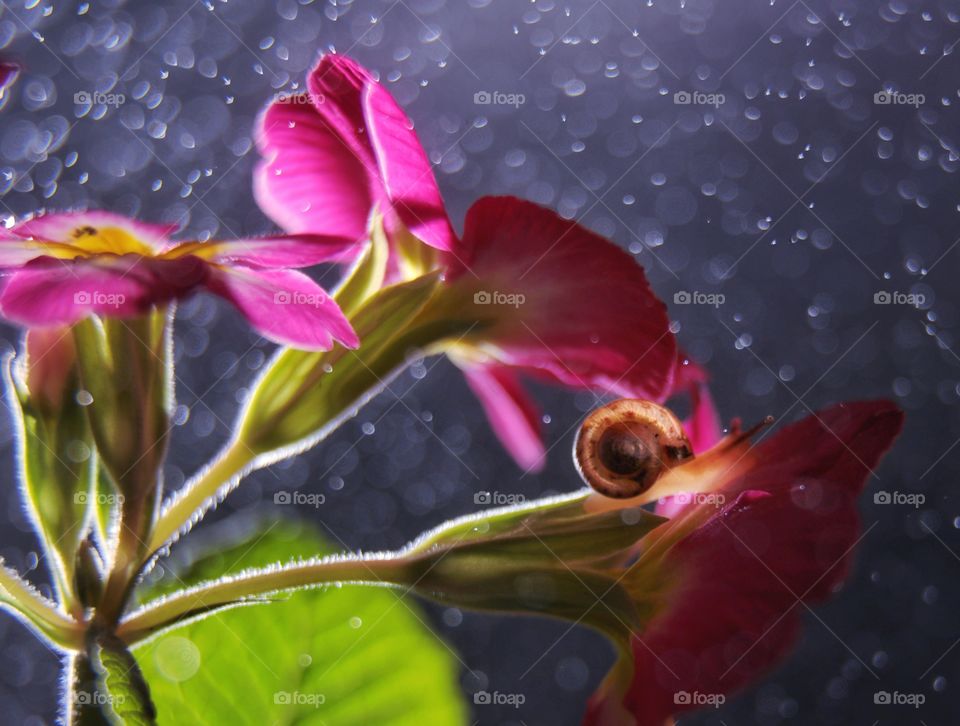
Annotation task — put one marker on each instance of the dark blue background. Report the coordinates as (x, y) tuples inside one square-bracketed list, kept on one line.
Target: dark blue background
[(712, 206)]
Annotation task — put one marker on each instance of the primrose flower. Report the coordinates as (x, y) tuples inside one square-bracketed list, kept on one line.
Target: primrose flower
[(549, 298), (341, 150), (768, 528), (63, 267)]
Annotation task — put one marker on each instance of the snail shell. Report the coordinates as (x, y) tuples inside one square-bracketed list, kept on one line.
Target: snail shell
[(624, 447)]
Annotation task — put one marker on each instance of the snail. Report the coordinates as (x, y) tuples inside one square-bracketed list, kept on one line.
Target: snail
[(625, 446)]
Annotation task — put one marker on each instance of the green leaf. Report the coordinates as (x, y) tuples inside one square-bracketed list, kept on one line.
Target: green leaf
[(127, 697), (335, 656)]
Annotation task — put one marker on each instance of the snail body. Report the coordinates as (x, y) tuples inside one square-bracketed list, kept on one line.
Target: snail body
[(624, 447)]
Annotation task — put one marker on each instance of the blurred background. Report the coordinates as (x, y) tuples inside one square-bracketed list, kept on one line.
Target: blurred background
[(785, 171)]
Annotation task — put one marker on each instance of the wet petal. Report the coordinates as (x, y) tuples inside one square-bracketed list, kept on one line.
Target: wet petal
[(115, 232), (311, 180), (15, 252), (52, 292), (405, 170), (335, 153), (285, 306), (282, 251), (783, 535), (560, 301)]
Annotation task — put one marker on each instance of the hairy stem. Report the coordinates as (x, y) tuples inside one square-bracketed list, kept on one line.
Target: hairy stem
[(232, 463), (254, 585), (24, 601)]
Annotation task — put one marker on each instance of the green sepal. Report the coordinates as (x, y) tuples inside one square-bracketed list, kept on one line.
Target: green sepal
[(549, 557), (367, 274), (301, 394), (58, 466)]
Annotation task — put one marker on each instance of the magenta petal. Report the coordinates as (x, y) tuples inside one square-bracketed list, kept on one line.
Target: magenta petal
[(303, 250), (703, 426), (15, 251), (60, 227), (56, 292), (512, 414), (285, 306), (339, 151), (405, 170), (310, 180)]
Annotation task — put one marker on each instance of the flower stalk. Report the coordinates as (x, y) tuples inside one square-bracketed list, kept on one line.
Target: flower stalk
[(126, 368), (21, 599), (551, 557)]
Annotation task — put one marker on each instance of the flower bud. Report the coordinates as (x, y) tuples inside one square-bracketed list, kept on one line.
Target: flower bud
[(56, 452)]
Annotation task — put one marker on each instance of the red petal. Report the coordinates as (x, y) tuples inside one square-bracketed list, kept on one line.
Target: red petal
[(784, 536), (588, 318)]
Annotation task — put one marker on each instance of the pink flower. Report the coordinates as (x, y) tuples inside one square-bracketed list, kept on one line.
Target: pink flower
[(587, 319), (63, 267), (777, 532), (341, 150)]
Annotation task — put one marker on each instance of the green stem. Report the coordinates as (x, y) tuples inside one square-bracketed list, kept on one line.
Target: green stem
[(231, 464), (23, 600), (389, 570), (79, 707)]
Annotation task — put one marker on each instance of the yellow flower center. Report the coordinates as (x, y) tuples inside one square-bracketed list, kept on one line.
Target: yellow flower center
[(107, 240)]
